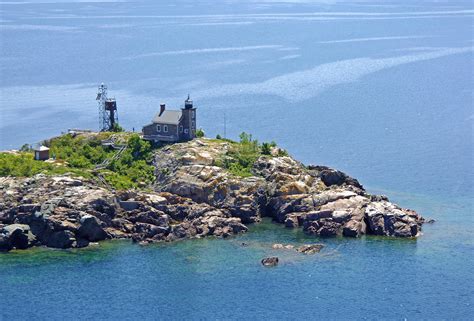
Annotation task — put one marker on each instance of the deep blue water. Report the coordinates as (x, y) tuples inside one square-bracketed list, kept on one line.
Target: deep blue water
[(381, 90)]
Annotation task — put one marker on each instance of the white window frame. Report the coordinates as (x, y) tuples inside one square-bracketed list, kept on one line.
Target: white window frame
[(193, 114), (181, 128), (158, 128), (165, 128), (193, 124)]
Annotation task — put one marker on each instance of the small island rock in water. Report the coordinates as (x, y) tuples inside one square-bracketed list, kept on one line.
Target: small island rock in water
[(197, 192)]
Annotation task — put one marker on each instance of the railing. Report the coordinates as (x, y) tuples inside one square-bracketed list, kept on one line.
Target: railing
[(109, 160), (112, 141)]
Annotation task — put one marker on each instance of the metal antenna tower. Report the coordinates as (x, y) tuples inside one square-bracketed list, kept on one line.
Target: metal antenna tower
[(107, 109)]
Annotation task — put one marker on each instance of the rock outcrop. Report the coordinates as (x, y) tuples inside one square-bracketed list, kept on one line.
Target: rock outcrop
[(71, 212), (193, 198)]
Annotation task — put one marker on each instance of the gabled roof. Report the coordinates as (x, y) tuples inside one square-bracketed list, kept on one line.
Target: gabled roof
[(41, 148), (171, 117)]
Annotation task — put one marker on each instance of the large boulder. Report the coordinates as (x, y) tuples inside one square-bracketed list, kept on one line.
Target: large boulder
[(91, 230), (385, 218), (5, 244), (354, 228), (331, 176), (19, 236), (61, 240)]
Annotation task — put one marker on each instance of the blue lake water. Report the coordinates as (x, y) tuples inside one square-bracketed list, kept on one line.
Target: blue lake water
[(382, 90)]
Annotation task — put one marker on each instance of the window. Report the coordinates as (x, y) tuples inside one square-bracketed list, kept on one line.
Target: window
[(186, 131), (165, 128), (193, 114), (158, 128), (193, 124), (181, 128)]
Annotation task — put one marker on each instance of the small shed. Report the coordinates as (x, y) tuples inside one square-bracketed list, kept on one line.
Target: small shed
[(41, 153)]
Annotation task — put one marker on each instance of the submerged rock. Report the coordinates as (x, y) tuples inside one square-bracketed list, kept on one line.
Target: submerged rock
[(310, 248), (270, 261)]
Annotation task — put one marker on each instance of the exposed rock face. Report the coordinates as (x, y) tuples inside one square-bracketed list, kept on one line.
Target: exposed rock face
[(190, 172), (385, 218), (193, 198), (73, 212), (326, 202)]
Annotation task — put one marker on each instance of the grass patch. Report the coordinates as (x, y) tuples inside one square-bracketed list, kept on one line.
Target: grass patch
[(81, 154)]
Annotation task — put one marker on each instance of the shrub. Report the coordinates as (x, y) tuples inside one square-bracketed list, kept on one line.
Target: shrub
[(266, 149), (241, 156), (199, 133), (116, 128)]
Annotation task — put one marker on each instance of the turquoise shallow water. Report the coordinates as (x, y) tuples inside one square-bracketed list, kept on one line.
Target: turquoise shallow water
[(368, 278), (381, 90)]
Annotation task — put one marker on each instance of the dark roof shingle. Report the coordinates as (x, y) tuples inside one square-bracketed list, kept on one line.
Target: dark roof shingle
[(171, 117)]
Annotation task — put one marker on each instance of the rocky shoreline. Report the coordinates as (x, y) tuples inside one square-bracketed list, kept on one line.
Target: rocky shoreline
[(192, 198)]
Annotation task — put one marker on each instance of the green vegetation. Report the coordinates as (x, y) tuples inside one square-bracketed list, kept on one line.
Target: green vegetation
[(123, 159), (24, 165), (242, 155), (200, 133), (25, 148), (266, 148), (116, 128), (81, 155)]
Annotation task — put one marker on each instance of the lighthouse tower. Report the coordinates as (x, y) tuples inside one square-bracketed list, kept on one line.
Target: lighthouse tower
[(188, 120)]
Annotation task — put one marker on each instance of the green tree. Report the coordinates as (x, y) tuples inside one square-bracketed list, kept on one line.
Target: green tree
[(25, 148)]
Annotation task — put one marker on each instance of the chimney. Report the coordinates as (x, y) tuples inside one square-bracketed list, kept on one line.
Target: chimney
[(162, 109)]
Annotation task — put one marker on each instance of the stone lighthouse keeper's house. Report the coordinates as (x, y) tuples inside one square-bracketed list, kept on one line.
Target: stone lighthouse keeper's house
[(172, 125)]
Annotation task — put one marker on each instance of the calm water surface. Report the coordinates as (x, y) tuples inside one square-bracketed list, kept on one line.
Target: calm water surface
[(381, 90)]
